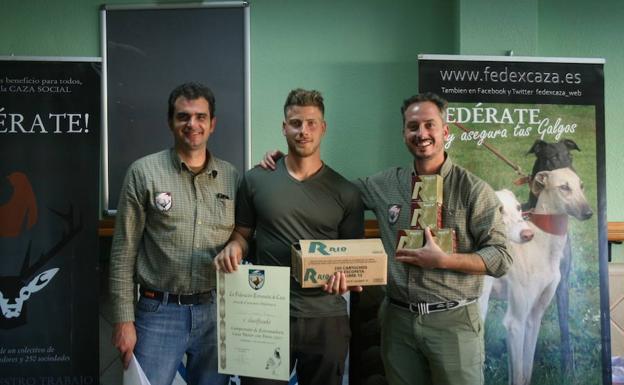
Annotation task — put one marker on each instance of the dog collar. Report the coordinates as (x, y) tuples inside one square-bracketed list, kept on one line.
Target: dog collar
[(556, 224)]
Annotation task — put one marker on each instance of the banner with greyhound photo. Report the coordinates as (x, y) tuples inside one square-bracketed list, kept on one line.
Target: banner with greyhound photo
[(533, 128), (49, 166)]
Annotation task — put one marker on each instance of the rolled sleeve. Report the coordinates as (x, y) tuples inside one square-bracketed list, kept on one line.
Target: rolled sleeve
[(490, 235), (497, 260)]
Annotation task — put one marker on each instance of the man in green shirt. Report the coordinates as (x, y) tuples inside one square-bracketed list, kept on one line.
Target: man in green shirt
[(303, 199), (431, 329), (175, 213)]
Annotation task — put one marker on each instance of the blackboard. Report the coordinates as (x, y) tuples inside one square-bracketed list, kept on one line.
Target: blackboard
[(149, 50)]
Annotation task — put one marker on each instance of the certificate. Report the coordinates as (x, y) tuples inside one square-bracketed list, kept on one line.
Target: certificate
[(134, 375), (254, 321)]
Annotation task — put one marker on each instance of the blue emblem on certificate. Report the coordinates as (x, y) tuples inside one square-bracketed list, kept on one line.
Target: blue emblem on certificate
[(256, 279)]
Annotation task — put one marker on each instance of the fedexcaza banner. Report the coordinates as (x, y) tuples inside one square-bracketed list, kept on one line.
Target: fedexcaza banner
[(49, 173), (533, 128)]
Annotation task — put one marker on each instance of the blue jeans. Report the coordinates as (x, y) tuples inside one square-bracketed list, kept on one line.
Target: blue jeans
[(166, 331)]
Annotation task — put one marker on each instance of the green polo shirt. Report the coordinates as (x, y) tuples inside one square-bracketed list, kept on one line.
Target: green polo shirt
[(470, 206), (170, 224)]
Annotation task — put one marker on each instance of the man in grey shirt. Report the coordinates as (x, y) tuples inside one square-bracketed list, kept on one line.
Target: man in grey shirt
[(303, 199)]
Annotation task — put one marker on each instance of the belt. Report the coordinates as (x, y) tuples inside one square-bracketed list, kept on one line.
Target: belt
[(180, 299), (421, 308)]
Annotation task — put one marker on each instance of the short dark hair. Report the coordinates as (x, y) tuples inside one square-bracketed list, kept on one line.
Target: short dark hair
[(303, 98), (191, 91), (436, 99)]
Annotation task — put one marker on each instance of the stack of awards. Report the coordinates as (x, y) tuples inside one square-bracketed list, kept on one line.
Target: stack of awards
[(427, 212)]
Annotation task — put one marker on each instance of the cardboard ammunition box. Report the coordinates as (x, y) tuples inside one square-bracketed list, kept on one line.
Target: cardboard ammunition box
[(426, 215), (410, 239), (427, 188), (415, 239), (364, 261), (446, 239)]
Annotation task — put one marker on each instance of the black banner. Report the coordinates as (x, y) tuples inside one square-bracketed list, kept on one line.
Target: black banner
[(533, 128), (49, 174)]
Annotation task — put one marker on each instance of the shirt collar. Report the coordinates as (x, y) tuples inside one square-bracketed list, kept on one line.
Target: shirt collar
[(444, 170), (211, 168)]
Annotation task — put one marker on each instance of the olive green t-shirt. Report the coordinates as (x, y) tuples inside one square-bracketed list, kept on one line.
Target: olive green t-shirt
[(283, 210)]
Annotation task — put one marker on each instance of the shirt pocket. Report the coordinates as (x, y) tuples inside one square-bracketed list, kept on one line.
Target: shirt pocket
[(222, 220), (223, 215)]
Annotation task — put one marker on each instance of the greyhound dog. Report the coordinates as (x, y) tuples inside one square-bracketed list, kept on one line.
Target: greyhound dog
[(518, 231), (551, 156), (530, 284)]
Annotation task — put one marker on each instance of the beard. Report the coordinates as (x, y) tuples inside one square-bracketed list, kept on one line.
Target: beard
[(430, 151)]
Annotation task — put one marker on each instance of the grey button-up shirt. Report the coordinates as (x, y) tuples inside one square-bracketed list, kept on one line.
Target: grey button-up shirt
[(469, 206)]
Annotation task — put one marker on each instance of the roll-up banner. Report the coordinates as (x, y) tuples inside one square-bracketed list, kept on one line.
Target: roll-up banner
[(533, 128), (49, 173)]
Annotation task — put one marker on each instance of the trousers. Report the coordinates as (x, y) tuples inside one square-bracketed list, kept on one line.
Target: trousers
[(442, 348), (319, 347), (167, 331)]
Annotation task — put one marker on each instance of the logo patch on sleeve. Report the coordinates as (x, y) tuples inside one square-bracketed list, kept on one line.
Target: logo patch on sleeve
[(393, 213)]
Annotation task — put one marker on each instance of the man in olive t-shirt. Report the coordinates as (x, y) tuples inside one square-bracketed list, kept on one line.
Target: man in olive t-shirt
[(302, 199)]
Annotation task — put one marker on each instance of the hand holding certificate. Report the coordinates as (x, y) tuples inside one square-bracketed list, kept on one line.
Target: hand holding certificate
[(253, 321)]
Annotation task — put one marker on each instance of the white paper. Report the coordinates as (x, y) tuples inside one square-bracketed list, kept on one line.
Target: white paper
[(134, 375), (254, 322)]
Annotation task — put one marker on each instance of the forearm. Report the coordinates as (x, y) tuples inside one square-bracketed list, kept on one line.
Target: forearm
[(234, 251), (468, 263), (124, 339), (241, 236)]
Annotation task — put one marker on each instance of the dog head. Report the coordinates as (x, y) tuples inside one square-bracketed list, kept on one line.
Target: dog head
[(518, 230), (560, 191), (551, 156)]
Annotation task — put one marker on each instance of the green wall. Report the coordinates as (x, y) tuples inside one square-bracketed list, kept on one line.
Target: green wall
[(362, 55), (495, 27)]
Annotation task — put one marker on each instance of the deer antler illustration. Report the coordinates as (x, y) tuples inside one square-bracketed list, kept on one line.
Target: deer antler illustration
[(16, 290)]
